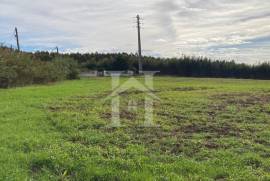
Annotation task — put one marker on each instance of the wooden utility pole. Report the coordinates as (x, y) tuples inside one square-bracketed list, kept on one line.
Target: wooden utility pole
[(17, 38), (139, 44)]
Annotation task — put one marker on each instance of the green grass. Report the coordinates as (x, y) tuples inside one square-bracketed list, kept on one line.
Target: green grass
[(208, 129)]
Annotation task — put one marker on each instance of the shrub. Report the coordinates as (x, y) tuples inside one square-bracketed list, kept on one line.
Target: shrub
[(67, 67), (20, 69)]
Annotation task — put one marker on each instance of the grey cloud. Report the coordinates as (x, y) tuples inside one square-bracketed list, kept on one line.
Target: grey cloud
[(255, 17), (167, 6), (193, 26), (165, 11), (201, 4)]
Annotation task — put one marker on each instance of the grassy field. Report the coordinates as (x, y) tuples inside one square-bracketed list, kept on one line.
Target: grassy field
[(208, 129)]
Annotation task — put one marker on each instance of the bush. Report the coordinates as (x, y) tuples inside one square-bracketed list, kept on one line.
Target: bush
[(68, 67), (20, 69)]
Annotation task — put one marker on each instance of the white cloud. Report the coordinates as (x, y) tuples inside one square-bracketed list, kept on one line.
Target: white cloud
[(226, 29)]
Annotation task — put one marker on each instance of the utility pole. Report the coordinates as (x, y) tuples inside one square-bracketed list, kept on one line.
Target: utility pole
[(57, 50), (139, 44), (17, 38)]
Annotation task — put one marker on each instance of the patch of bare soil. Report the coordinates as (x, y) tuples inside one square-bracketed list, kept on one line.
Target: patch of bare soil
[(124, 114), (158, 138), (216, 129), (211, 145), (135, 92), (185, 89), (174, 116), (242, 99), (55, 108), (65, 106), (262, 142), (192, 88)]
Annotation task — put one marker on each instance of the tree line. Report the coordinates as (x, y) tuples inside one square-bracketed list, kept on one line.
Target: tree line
[(188, 66), (22, 68)]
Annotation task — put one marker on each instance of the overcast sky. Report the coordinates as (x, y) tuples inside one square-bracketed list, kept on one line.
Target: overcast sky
[(229, 29)]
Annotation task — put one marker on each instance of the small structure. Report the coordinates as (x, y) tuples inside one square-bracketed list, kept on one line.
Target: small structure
[(126, 73), (95, 73)]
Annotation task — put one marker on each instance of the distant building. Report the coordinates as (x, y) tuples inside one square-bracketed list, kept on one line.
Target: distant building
[(105, 73)]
